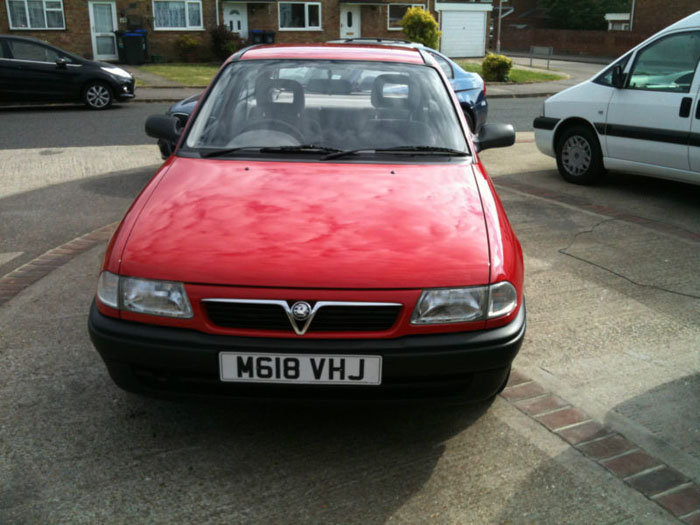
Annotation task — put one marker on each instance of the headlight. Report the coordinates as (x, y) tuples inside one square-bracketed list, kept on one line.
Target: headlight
[(117, 72), (144, 296), (462, 305), (542, 110)]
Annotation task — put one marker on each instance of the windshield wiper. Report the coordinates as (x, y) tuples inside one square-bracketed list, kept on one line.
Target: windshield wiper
[(227, 151), (420, 150), (303, 148)]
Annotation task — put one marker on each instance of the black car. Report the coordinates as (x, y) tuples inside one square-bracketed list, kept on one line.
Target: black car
[(34, 71)]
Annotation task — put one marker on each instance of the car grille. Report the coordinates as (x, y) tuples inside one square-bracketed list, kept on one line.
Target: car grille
[(329, 318)]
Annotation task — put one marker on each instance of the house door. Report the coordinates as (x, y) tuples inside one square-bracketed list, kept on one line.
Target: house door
[(103, 24), (236, 18), (350, 21)]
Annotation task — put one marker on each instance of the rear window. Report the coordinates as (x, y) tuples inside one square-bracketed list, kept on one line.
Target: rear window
[(333, 104)]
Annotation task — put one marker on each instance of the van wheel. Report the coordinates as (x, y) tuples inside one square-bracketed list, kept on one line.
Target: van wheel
[(579, 158), (97, 95)]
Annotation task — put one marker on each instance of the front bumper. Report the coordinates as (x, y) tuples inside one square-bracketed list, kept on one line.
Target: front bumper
[(124, 90), (544, 134), (163, 361)]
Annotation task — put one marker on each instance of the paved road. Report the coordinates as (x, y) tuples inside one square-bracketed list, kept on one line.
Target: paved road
[(517, 111), (75, 125), (68, 126)]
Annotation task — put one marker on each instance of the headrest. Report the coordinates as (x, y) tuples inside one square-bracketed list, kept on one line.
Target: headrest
[(329, 86), (264, 91), (402, 92)]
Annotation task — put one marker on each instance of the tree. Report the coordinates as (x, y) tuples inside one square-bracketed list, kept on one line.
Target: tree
[(420, 26), (582, 14)]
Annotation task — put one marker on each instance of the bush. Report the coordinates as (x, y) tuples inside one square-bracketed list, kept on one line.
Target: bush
[(420, 26), (495, 68), (222, 41), (187, 47)]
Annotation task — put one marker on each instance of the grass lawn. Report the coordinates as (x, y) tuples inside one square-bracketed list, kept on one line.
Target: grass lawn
[(199, 75), (517, 76), (191, 75)]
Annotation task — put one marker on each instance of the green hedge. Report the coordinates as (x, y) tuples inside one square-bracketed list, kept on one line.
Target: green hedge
[(496, 67)]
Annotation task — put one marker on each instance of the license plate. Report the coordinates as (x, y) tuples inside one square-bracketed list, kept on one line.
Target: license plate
[(245, 367)]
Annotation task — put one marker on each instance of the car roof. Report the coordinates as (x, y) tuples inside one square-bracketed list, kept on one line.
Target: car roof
[(334, 52), (27, 39)]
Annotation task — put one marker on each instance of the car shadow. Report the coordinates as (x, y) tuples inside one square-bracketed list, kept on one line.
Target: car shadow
[(300, 463)]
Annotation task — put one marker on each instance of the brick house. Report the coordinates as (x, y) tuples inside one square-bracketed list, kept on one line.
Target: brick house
[(86, 27)]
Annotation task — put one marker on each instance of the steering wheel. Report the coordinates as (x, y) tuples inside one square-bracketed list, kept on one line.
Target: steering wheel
[(278, 125)]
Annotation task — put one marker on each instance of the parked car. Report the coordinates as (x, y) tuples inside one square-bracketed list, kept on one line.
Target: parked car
[(309, 244), (469, 87), (640, 115), (34, 71)]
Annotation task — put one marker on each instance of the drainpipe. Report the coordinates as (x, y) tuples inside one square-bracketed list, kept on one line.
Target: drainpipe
[(217, 13), (500, 16), (632, 16)]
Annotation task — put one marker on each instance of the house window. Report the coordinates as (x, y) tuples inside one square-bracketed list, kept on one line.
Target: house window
[(298, 16), (177, 15), (36, 14), (395, 14)]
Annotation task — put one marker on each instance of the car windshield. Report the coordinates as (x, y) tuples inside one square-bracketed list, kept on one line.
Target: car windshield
[(330, 105)]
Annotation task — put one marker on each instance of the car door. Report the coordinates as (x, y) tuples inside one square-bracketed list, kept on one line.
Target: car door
[(37, 75), (9, 73), (649, 119), (694, 142)]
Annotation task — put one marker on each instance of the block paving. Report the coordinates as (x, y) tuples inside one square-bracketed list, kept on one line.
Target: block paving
[(624, 459)]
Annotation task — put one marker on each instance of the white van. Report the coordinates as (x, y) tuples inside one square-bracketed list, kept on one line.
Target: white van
[(639, 115)]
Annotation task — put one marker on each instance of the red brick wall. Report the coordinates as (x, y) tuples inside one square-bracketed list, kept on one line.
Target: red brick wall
[(568, 42), (651, 16)]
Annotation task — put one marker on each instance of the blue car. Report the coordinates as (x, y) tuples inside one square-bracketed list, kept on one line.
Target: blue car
[(469, 88)]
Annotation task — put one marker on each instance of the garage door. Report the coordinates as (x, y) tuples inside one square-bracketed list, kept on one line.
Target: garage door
[(463, 33)]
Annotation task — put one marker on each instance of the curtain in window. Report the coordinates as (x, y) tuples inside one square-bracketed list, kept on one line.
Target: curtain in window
[(54, 14), (36, 13), (194, 16), (103, 18), (18, 16), (170, 14)]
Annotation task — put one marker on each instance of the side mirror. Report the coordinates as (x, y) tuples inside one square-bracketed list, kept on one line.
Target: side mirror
[(495, 136), (164, 127), (61, 63), (618, 77)]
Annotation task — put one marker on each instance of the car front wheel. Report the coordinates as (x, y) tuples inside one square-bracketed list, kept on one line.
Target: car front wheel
[(97, 95), (579, 158)]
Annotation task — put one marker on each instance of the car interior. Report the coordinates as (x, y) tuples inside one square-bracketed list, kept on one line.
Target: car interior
[(372, 110)]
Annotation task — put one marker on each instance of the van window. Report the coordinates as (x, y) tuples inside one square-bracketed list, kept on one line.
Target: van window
[(667, 64), (605, 78)]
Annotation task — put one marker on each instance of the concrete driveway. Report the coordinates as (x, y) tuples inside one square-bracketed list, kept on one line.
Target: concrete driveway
[(613, 295)]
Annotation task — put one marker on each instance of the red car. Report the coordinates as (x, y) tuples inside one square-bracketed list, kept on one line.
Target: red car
[(324, 229)]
